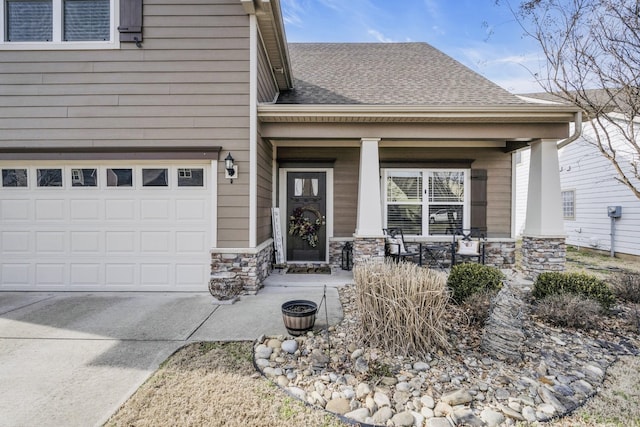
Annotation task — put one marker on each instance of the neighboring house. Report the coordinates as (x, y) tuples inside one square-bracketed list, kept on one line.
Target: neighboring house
[(114, 136), (589, 188)]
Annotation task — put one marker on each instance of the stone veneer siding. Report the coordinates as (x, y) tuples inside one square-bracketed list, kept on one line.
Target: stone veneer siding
[(541, 254), (497, 253), (335, 251), (365, 248), (251, 267)]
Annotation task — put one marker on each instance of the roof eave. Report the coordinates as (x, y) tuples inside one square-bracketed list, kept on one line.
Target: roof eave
[(412, 113)]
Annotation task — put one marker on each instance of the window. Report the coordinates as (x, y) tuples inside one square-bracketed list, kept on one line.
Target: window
[(14, 177), (190, 177), (119, 177), (569, 204), (426, 202), (57, 22), (84, 177), (155, 177), (49, 177)]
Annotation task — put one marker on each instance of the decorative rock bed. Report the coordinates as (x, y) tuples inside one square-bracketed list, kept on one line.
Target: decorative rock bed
[(556, 373)]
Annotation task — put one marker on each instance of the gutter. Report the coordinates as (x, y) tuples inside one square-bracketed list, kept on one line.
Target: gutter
[(577, 130)]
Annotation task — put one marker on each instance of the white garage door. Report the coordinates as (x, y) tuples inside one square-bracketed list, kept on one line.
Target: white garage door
[(108, 227)]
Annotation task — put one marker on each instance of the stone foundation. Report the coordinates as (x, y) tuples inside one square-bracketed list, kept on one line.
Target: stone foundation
[(541, 254), (498, 253), (365, 248), (251, 267)]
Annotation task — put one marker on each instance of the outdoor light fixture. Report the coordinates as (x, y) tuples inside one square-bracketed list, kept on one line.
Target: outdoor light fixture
[(231, 170)]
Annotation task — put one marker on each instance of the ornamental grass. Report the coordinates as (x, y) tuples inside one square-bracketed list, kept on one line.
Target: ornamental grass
[(401, 307)]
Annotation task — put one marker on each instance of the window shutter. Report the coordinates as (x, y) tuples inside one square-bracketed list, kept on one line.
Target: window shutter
[(479, 200), (130, 21)]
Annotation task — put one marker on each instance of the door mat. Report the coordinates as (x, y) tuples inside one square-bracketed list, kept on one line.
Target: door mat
[(309, 270)]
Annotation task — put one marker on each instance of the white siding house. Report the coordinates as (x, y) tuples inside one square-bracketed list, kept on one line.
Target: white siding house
[(589, 187)]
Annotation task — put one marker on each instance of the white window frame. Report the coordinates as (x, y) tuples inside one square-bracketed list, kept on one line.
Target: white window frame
[(57, 43), (573, 204), (466, 204)]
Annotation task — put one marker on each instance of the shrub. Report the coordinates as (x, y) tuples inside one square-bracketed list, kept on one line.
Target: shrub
[(627, 286), (401, 307), (470, 278), (478, 306), (551, 283), (568, 310)]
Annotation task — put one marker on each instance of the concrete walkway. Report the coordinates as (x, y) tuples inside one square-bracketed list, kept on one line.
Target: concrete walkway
[(71, 359)]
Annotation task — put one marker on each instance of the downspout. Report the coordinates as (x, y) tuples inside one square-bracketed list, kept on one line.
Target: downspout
[(577, 130)]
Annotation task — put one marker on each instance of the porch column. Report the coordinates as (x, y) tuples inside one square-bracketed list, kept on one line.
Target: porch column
[(368, 238), (543, 240)]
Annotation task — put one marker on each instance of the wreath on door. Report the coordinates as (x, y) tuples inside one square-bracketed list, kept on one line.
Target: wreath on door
[(302, 226)]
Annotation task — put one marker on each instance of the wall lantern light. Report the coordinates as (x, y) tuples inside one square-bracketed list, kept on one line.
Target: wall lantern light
[(231, 170)]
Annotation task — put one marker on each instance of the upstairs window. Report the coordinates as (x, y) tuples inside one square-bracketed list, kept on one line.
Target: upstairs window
[(57, 22)]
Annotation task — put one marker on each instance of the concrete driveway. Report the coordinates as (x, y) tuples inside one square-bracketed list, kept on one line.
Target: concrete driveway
[(71, 359)]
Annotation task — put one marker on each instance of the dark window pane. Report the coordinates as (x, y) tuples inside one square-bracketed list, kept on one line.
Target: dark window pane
[(49, 177), (29, 21), (84, 177), (407, 217), (404, 187), (444, 219), (190, 177), (14, 177), (119, 177), (446, 187), (155, 178), (86, 20)]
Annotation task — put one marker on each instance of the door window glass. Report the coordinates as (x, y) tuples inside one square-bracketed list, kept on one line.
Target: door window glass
[(84, 177), (155, 177), (119, 177), (190, 177), (14, 177), (49, 177)]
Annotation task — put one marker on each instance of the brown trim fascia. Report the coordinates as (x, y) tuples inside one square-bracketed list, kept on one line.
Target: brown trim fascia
[(111, 153), (431, 163)]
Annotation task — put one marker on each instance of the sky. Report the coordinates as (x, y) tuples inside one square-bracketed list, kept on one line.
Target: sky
[(478, 33)]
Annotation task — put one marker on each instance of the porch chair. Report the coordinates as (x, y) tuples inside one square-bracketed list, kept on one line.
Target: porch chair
[(468, 245), (396, 248)]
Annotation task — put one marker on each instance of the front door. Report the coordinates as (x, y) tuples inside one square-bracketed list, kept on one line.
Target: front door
[(306, 210)]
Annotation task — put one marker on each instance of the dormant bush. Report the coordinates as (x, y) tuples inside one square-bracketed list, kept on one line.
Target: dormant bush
[(401, 307), (568, 310)]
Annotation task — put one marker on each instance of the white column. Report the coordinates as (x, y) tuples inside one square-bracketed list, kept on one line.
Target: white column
[(544, 203), (369, 210)]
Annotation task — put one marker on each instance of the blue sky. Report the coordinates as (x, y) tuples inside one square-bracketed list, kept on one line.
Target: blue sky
[(481, 35)]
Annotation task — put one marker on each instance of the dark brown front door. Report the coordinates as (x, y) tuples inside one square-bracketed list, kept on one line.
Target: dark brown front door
[(306, 210)]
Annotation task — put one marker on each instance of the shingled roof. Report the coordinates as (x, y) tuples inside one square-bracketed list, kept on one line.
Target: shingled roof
[(386, 74)]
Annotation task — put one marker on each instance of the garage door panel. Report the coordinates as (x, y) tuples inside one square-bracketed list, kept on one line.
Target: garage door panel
[(85, 210), (52, 242), (50, 210), (120, 210), (120, 275), (155, 274), (190, 241), (190, 275), (155, 210), (15, 242), (50, 274), (190, 210), (85, 242), (15, 210), (105, 238), (118, 242), (86, 275), (155, 241), (15, 275)]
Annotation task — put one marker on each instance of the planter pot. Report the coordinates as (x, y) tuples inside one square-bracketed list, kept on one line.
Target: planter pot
[(299, 316)]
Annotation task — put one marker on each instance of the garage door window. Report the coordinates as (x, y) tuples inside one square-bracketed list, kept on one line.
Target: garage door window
[(49, 177), (14, 177), (119, 177), (190, 177), (84, 177), (155, 177)]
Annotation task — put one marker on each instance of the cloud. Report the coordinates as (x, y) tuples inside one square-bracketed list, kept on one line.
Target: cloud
[(292, 12), (379, 36)]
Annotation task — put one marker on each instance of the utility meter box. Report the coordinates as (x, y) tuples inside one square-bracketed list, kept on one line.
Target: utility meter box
[(614, 211)]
